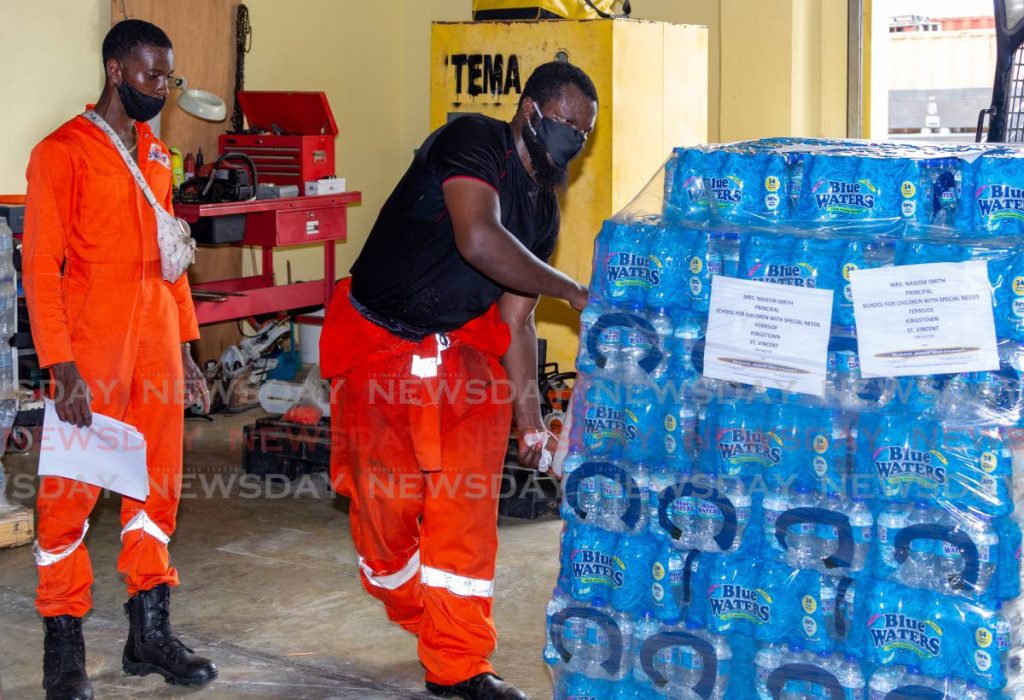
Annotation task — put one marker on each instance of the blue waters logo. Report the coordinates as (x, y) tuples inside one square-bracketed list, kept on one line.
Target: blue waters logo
[(897, 463), (592, 566), (725, 191), (739, 445), (731, 602), (631, 269), (796, 275), (891, 631), (1000, 201), (838, 196), (605, 423)]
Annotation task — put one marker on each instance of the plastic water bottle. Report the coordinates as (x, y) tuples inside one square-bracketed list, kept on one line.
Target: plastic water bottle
[(891, 521), (4, 503), (796, 689), (862, 523), (802, 543), (664, 327), (559, 601), (766, 661), (684, 513), (616, 495), (8, 287), (689, 664), (970, 691), (987, 541), (920, 569), (775, 503), (646, 627), (827, 599), (671, 248), (822, 660), (585, 363), (827, 534), (884, 681), (685, 336), (577, 685), (627, 264), (743, 504), (723, 654), (708, 525), (727, 246), (597, 647), (667, 580), (588, 497), (850, 677), (949, 561)]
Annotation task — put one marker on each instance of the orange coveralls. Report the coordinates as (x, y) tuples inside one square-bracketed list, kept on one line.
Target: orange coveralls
[(95, 295), (421, 460)]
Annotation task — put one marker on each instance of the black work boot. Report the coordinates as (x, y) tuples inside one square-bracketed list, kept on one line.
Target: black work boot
[(485, 686), (64, 676), (152, 646)]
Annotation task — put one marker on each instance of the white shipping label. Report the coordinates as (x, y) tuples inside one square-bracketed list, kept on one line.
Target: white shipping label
[(924, 319), (768, 334)]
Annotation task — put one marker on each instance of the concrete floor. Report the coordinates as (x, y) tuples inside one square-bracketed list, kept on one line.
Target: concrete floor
[(269, 591)]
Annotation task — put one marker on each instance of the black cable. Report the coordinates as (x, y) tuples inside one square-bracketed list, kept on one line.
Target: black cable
[(243, 44)]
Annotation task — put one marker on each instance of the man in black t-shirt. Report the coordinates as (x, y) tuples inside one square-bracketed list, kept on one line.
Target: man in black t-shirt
[(431, 348)]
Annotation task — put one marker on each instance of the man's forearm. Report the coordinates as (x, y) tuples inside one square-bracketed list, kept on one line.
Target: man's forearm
[(500, 256), (521, 366)]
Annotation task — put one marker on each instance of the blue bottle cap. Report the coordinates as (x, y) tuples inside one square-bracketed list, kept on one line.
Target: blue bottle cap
[(598, 602)]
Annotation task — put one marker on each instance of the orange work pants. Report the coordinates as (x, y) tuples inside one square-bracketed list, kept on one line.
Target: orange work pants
[(142, 387), (421, 460)]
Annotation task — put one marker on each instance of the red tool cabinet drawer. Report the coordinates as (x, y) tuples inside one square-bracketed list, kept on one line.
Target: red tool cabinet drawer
[(294, 226)]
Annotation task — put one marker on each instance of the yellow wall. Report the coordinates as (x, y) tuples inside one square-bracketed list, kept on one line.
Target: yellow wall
[(353, 52), (49, 70), (783, 68), (776, 67), (703, 12)]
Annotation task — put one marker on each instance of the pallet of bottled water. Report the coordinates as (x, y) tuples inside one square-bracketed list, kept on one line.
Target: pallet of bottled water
[(726, 539)]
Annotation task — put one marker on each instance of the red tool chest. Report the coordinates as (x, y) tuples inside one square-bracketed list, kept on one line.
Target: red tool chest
[(298, 143)]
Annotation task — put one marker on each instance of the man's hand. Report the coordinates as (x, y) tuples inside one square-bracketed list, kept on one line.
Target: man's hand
[(530, 449), (578, 296), (196, 392), (72, 395)]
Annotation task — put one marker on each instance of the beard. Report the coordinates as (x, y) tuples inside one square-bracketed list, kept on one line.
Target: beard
[(549, 176)]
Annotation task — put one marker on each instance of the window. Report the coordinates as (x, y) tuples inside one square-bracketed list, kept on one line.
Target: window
[(932, 68)]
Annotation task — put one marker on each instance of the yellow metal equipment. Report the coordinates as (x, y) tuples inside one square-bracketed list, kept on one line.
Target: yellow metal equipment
[(652, 81)]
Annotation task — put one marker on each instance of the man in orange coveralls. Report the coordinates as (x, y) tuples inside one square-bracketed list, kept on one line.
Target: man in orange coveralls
[(431, 347), (114, 335)]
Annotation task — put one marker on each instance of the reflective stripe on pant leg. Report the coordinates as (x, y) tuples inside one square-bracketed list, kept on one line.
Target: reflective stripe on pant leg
[(394, 580), (142, 522), (44, 558), (65, 582), (463, 586)]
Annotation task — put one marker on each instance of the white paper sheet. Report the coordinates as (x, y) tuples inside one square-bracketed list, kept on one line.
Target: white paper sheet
[(924, 319), (768, 334), (109, 454)]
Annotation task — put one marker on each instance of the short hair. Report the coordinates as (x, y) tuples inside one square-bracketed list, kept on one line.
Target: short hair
[(127, 35), (548, 80)]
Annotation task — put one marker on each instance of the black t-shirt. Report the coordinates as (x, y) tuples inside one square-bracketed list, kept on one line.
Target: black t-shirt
[(409, 277)]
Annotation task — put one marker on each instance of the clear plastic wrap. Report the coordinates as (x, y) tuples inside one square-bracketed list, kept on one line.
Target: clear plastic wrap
[(726, 540)]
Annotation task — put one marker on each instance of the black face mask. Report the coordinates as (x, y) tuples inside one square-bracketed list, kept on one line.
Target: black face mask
[(562, 141), (137, 105)]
